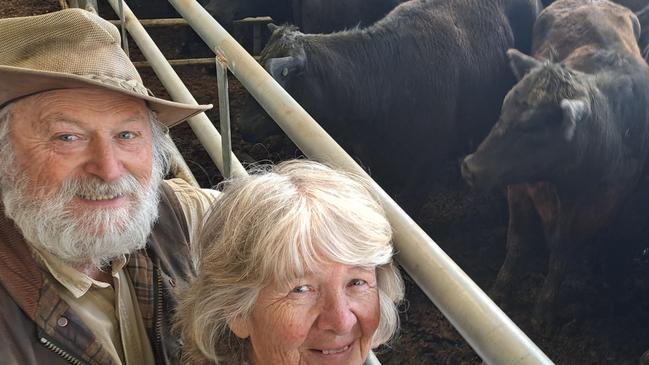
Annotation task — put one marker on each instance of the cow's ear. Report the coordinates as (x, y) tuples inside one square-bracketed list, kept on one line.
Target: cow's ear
[(521, 63), (574, 111), (283, 67), (272, 27)]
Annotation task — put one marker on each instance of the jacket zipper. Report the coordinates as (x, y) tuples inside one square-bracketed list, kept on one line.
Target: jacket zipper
[(158, 317), (59, 351)]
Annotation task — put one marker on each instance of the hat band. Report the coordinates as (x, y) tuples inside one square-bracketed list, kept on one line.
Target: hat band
[(130, 85)]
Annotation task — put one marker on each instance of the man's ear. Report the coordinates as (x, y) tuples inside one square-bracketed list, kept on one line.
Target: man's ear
[(239, 327)]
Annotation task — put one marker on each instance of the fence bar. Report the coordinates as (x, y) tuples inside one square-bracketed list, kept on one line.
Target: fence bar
[(89, 5), (200, 123), (180, 62), (157, 22), (120, 13), (224, 113), (494, 337)]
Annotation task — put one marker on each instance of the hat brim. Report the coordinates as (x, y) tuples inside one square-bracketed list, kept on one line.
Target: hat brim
[(16, 82)]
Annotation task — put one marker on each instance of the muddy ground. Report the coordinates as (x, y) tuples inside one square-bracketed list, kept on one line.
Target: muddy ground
[(604, 319)]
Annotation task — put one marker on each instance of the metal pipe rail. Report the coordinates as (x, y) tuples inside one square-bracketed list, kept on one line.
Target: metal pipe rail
[(156, 22), (494, 337), (200, 123), (179, 62)]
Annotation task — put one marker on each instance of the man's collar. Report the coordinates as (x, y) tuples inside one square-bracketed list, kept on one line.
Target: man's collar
[(75, 281)]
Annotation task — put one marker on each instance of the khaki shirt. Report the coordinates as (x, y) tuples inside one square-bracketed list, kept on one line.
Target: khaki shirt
[(111, 311)]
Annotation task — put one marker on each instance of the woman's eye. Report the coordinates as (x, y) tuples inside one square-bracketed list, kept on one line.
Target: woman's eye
[(67, 137), (301, 289), (357, 282)]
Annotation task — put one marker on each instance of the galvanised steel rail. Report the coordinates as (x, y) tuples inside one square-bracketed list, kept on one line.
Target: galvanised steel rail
[(494, 337)]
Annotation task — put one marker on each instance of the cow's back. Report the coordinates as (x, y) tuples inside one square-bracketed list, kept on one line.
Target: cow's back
[(326, 16), (477, 34), (462, 43), (574, 28)]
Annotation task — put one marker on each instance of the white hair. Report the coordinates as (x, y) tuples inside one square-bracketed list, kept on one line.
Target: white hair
[(273, 226)]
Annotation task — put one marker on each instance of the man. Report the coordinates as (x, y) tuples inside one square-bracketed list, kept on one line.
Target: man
[(93, 241)]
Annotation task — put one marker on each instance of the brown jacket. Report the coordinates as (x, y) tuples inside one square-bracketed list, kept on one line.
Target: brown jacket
[(38, 327)]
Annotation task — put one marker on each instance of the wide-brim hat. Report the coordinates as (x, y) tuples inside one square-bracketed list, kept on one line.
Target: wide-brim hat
[(73, 48)]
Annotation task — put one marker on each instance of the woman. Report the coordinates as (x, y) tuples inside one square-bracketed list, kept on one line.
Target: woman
[(295, 267)]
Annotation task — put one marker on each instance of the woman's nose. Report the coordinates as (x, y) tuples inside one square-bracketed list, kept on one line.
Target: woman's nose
[(337, 315)]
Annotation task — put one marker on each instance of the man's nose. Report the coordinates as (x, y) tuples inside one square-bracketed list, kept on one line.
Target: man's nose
[(337, 315), (103, 161)]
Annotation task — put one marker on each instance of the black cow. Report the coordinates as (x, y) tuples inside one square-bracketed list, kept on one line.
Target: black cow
[(404, 93), (311, 16), (326, 16), (571, 140)]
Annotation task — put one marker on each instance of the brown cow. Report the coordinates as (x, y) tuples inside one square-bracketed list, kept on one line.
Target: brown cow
[(571, 140)]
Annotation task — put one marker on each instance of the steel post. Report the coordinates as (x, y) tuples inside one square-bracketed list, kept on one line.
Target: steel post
[(224, 114)]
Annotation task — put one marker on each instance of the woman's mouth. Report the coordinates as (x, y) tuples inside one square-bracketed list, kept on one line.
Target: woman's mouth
[(335, 351)]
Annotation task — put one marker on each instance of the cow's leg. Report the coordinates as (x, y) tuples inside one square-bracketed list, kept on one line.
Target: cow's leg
[(522, 221), (576, 222), (545, 310), (562, 244)]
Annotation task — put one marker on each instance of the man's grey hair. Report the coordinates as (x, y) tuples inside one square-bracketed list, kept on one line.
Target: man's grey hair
[(272, 227), (5, 143), (163, 146)]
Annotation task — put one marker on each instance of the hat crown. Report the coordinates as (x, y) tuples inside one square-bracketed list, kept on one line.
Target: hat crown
[(69, 49), (71, 41)]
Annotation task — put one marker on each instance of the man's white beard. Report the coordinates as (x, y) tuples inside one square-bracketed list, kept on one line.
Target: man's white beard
[(93, 237)]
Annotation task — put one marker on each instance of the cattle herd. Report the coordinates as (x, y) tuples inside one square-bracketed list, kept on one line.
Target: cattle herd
[(548, 101), (407, 92)]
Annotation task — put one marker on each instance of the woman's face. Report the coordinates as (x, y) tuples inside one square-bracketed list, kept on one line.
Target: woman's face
[(326, 317)]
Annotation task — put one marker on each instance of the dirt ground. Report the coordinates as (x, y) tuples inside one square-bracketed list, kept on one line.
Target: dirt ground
[(603, 319)]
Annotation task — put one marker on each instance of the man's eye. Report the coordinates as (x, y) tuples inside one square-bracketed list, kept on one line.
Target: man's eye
[(67, 137), (127, 135)]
